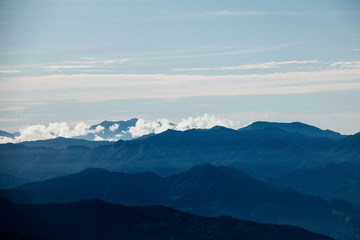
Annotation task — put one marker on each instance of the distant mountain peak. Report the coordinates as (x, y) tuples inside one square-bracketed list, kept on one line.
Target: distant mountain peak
[(297, 127)]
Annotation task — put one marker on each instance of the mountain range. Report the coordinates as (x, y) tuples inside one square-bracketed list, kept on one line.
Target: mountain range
[(335, 180), (204, 190), (281, 164), (95, 219), (262, 152)]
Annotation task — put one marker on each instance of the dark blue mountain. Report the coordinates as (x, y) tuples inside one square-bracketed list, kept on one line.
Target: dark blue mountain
[(296, 127), (94, 219), (268, 152), (61, 143), (6, 134), (332, 181), (9, 181), (204, 190)]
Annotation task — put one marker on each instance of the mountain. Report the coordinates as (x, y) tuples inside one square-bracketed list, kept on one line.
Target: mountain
[(9, 181), (6, 134), (94, 183), (296, 127), (264, 153), (94, 219), (39, 163), (205, 190), (60, 143), (112, 130), (335, 180)]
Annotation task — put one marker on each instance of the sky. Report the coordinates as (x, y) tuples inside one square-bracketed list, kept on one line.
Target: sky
[(243, 61)]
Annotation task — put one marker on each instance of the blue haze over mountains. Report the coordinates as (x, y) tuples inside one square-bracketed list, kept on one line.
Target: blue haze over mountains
[(281, 164)]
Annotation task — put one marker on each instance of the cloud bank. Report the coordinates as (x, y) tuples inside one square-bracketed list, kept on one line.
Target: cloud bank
[(53, 130), (206, 121), (141, 128)]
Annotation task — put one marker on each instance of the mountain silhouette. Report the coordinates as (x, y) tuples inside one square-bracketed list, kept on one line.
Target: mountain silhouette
[(205, 190), (95, 219), (6, 134), (335, 180), (61, 143), (297, 127), (264, 153)]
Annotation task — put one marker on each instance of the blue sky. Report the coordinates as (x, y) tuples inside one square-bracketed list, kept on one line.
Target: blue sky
[(240, 60)]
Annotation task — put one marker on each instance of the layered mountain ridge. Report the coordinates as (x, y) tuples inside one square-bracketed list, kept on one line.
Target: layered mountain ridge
[(205, 190)]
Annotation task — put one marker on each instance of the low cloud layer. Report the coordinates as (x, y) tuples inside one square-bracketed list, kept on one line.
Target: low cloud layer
[(53, 130), (206, 121), (142, 127)]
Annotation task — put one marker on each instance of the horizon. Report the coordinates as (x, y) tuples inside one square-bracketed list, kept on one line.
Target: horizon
[(140, 128)]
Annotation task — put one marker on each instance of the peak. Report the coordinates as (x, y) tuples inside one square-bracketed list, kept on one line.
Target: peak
[(297, 127), (217, 127), (204, 168), (94, 171)]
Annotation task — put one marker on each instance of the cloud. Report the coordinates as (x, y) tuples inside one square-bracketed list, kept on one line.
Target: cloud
[(56, 67), (9, 71), (114, 127), (203, 122), (104, 87), (50, 131), (347, 64), (87, 63), (266, 65), (143, 128), (206, 121)]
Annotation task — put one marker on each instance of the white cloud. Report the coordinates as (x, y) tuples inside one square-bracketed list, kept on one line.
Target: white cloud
[(98, 129), (103, 87), (114, 127), (9, 71), (98, 138), (53, 130), (347, 64), (266, 65), (142, 127), (56, 67), (6, 140), (206, 121)]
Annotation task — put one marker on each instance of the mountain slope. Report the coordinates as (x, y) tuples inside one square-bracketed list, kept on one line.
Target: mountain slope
[(331, 181), (297, 127), (130, 189), (205, 190), (111, 129), (6, 134), (61, 143), (268, 152), (100, 220)]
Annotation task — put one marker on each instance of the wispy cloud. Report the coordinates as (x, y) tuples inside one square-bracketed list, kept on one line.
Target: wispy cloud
[(67, 66), (102, 87), (210, 53), (85, 64), (12, 108), (346, 64), (266, 65), (9, 71)]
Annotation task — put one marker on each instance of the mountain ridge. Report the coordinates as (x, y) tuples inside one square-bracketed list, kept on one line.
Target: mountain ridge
[(205, 190), (95, 219)]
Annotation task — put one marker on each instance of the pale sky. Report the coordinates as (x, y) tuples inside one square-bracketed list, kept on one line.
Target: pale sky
[(240, 60)]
